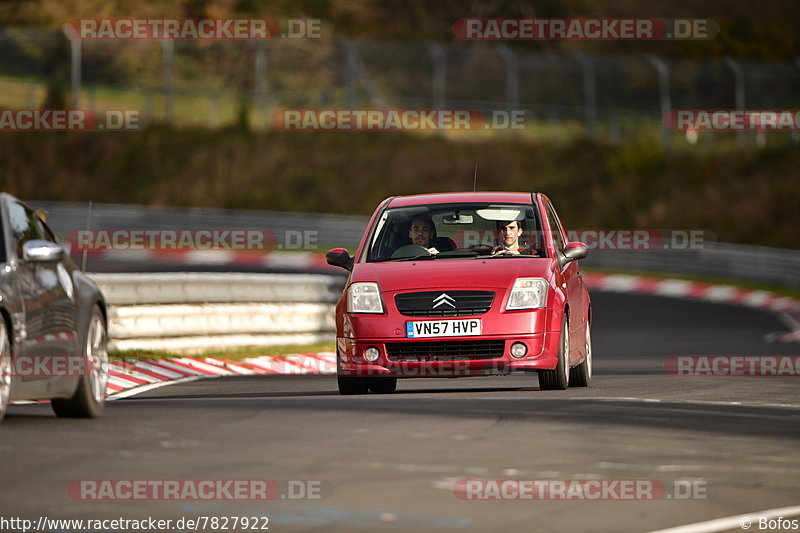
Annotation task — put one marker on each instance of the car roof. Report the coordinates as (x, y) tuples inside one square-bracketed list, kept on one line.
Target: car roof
[(451, 197)]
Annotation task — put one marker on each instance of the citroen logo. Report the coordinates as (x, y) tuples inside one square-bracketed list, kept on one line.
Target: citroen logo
[(444, 299)]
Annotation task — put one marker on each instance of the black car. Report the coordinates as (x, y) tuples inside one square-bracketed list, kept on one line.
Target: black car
[(53, 340)]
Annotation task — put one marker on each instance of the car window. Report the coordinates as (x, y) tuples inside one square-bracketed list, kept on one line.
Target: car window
[(25, 225), (555, 226), (458, 231), (47, 233), (3, 257)]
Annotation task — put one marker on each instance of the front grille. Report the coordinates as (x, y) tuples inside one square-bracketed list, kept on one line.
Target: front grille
[(455, 303), (444, 350)]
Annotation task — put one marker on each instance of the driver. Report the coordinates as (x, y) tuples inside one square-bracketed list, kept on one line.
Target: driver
[(509, 234), (420, 233)]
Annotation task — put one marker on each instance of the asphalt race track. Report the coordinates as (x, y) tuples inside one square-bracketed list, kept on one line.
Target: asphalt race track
[(389, 462)]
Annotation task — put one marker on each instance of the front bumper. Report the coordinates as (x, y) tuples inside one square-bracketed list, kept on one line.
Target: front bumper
[(542, 354)]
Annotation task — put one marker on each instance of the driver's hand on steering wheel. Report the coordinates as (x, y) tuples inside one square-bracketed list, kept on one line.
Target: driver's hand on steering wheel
[(433, 251), (499, 250)]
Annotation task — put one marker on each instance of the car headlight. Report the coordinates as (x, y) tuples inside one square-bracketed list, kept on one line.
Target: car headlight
[(528, 293), (364, 297)]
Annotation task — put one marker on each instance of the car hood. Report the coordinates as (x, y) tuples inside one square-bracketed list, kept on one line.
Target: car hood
[(451, 273)]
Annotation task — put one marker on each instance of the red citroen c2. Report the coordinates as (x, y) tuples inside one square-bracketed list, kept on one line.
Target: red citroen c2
[(463, 284)]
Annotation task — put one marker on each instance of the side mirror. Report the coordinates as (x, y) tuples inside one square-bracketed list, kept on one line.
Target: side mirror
[(339, 257), (39, 251), (574, 251)]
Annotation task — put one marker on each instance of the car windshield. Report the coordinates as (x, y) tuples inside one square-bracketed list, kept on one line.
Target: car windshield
[(457, 231)]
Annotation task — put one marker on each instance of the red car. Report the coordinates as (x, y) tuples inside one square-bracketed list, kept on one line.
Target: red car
[(463, 284)]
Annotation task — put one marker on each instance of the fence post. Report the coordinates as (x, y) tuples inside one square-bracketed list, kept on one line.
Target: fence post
[(151, 103), (738, 78), (512, 76), (350, 72), (212, 116), (589, 91), (553, 125), (663, 95), (75, 65), (168, 49), (31, 96), (795, 133), (260, 74), (614, 127), (438, 74)]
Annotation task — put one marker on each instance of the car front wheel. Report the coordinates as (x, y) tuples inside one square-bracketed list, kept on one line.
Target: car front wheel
[(383, 385), (581, 375), (558, 378), (352, 385)]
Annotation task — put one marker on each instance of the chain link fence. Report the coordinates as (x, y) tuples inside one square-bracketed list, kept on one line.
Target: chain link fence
[(215, 83)]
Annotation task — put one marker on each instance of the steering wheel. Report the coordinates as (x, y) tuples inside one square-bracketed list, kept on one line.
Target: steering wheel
[(410, 250)]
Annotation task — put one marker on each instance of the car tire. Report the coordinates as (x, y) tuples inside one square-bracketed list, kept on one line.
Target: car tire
[(581, 375), (349, 385), (382, 385), (6, 374), (558, 378), (89, 398)]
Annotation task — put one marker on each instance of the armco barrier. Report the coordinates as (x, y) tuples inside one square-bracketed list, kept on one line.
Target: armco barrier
[(186, 311), (760, 264), (135, 321), (205, 287), (713, 259), (327, 230), (198, 326)]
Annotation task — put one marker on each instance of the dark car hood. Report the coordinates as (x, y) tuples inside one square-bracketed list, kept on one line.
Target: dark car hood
[(451, 273)]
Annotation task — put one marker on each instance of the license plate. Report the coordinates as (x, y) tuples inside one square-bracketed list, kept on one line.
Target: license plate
[(443, 328)]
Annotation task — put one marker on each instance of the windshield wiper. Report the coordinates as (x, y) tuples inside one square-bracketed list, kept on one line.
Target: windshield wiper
[(414, 258), (443, 255), (458, 253), (506, 254)]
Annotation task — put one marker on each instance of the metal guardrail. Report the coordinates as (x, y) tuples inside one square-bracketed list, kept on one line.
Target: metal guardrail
[(775, 266), (185, 311), (326, 230), (716, 260), (152, 321), (208, 287)]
